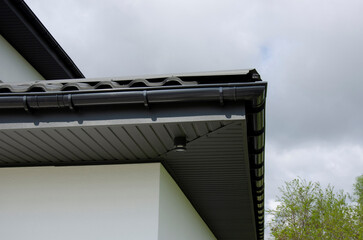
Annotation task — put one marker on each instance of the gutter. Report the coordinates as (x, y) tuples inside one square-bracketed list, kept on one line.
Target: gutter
[(145, 96)]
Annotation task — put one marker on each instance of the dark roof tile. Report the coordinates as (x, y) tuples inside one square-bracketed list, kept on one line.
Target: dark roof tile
[(226, 77)]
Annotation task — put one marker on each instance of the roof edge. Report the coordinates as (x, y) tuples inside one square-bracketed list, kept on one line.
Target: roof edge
[(23, 16)]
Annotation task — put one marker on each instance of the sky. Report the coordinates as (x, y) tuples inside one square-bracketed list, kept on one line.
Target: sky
[(310, 53)]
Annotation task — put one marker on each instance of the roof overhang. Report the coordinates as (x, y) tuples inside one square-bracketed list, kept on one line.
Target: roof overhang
[(222, 170), (23, 30)]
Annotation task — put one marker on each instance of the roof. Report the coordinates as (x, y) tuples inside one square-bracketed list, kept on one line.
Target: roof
[(23, 30), (136, 120), (132, 82)]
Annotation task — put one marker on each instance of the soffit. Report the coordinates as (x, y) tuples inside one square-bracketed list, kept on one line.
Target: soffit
[(98, 144)]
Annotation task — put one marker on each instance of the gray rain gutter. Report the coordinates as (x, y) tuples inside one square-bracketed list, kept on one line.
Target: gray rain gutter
[(238, 92)]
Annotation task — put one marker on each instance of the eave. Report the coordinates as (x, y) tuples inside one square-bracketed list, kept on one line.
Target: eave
[(221, 114)]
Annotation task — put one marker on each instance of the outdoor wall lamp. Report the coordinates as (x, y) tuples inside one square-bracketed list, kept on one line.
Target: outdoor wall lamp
[(180, 144)]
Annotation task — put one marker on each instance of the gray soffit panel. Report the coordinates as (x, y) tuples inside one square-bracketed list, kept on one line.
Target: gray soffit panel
[(217, 181), (23, 30), (221, 114)]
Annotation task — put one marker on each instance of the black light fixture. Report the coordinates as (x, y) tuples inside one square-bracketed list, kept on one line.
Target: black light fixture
[(180, 144)]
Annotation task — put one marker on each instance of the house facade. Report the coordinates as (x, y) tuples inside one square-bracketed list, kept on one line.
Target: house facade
[(14, 68), (174, 156)]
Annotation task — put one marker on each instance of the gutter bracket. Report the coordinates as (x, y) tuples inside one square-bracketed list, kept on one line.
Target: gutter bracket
[(146, 101), (221, 101), (70, 103), (25, 104)]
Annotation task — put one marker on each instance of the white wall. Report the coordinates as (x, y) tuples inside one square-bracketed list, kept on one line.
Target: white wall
[(13, 67), (80, 203), (130, 201), (178, 220)]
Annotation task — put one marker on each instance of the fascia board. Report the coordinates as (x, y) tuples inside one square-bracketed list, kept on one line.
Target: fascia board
[(129, 116)]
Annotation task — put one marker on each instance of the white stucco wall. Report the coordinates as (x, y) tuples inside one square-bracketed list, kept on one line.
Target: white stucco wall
[(13, 67), (80, 203), (130, 201), (178, 220)]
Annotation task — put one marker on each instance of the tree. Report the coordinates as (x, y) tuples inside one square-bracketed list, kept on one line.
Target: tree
[(358, 190), (307, 211), (358, 193)]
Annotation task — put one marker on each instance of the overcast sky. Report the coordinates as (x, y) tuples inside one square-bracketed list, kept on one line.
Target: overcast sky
[(310, 52)]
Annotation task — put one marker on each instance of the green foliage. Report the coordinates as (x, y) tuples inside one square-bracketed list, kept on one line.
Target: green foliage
[(307, 211), (358, 190)]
